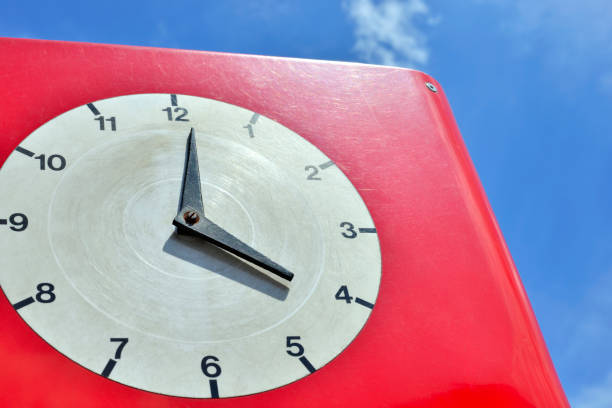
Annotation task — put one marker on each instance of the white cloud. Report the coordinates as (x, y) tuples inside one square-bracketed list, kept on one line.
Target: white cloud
[(596, 396), (573, 36), (388, 32)]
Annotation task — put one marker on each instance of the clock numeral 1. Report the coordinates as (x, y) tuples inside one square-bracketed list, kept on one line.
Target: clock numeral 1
[(44, 294), (252, 122), (111, 120), (108, 368), (212, 370), (295, 349)]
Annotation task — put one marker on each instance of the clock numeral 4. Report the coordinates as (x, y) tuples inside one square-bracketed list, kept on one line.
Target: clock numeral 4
[(18, 221), (343, 294)]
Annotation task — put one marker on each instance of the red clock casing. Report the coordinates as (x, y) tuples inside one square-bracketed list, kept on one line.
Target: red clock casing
[(452, 325)]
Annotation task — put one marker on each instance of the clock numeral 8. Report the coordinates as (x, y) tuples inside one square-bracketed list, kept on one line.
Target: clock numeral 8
[(211, 370), (45, 292)]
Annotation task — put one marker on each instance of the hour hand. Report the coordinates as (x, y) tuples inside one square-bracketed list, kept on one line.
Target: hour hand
[(190, 218)]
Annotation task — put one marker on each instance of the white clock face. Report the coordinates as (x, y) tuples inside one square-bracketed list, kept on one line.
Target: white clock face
[(94, 265)]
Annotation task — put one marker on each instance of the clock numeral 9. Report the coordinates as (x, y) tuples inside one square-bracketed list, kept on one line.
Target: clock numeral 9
[(111, 120), (179, 118), (18, 221), (54, 162)]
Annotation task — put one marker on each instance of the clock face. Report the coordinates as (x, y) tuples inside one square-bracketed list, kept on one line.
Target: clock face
[(94, 265)]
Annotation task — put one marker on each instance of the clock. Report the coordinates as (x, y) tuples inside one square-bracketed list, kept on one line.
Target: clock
[(198, 229), (279, 266)]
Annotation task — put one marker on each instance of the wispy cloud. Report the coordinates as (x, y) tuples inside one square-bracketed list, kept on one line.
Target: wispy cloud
[(573, 36), (389, 32), (596, 396)]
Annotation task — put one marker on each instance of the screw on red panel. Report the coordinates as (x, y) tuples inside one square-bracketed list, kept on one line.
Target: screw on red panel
[(431, 87)]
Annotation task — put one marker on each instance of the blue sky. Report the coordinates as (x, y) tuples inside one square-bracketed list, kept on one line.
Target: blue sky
[(530, 83)]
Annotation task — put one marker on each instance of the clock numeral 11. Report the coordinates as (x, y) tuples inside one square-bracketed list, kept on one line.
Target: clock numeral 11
[(111, 120)]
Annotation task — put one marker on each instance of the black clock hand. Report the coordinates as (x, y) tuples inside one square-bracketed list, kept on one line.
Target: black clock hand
[(190, 218)]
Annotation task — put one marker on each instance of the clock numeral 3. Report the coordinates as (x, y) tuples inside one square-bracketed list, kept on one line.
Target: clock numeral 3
[(350, 231)]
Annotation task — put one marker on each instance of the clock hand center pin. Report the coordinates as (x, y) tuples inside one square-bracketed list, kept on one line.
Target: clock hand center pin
[(191, 220)]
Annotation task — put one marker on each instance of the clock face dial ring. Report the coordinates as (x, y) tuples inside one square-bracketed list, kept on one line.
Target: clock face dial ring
[(99, 272)]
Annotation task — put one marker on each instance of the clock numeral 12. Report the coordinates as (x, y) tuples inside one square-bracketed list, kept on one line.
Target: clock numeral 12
[(212, 370)]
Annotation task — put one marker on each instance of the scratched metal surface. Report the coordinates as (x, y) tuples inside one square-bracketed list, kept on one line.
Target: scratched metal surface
[(452, 325)]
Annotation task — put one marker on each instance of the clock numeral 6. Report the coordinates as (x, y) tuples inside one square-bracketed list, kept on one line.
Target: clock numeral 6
[(211, 369), (18, 221), (291, 344)]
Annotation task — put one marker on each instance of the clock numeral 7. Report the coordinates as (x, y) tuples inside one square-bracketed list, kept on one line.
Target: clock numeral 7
[(108, 368), (111, 120)]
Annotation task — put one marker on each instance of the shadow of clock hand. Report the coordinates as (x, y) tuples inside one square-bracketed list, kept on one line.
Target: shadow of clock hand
[(214, 259)]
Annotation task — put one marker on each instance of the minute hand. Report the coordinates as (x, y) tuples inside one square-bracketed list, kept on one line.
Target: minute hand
[(208, 230)]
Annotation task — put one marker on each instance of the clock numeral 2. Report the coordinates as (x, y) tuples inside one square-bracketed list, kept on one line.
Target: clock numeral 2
[(108, 368), (295, 349), (314, 170), (212, 370)]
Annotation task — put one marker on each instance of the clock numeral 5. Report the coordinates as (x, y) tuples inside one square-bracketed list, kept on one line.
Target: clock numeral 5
[(295, 349)]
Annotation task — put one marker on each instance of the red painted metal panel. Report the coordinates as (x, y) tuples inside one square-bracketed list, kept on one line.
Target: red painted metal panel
[(452, 325)]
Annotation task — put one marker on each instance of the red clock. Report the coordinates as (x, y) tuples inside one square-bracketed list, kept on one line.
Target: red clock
[(200, 229)]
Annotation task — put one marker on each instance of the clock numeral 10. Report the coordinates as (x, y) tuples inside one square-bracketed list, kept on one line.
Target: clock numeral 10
[(54, 162), (111, 120), (212, 370), (44, 294), (18, 221), (295, 349)]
